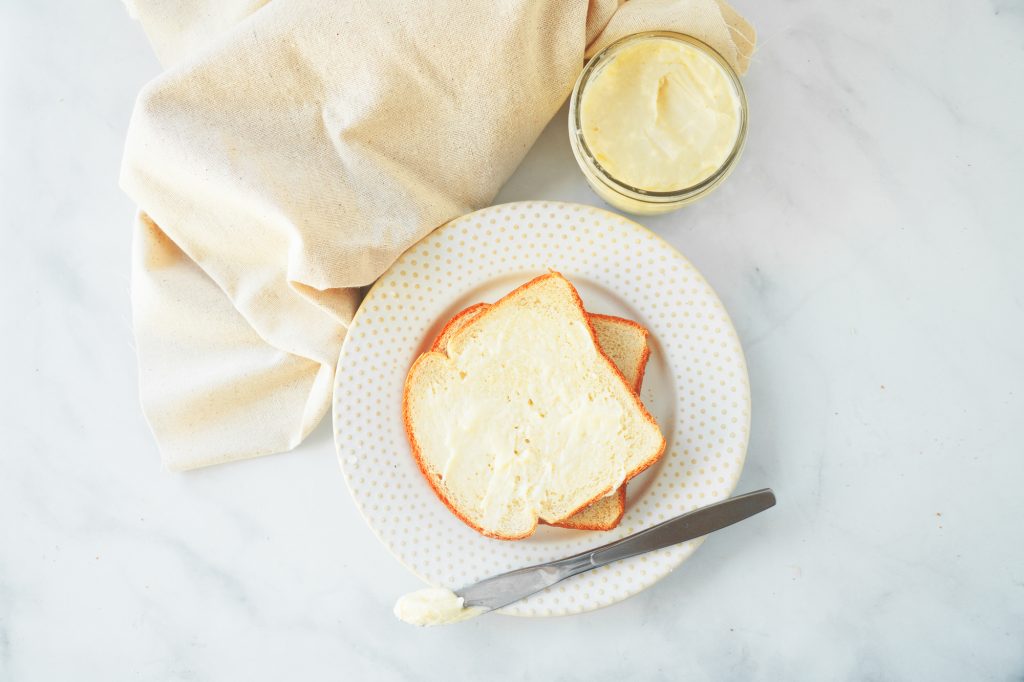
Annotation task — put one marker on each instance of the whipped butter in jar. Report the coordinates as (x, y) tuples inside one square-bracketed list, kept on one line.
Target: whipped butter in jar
[(656, 121)]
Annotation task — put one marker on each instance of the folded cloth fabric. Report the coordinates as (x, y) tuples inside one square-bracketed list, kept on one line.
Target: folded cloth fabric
[(293, 149)]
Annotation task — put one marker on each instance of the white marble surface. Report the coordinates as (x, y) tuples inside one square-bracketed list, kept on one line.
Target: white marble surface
[(868, 247)]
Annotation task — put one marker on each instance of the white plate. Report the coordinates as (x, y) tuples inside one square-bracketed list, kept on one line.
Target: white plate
[(695, 386)]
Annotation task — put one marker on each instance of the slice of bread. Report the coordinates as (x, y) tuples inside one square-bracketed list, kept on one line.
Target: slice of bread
[(524, 417), (625, 343)]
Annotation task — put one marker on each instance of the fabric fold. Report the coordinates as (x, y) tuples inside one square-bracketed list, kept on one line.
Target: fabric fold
[(294, 149)]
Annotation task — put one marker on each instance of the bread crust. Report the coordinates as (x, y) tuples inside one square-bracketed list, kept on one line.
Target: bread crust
[(457, 322), (414, 444), (642, 363), (567, 522)]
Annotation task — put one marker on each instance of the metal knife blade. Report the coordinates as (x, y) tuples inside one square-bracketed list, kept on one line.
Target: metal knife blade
[(502, 590)]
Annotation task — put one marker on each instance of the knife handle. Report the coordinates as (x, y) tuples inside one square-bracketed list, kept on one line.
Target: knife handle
[(689, 526)]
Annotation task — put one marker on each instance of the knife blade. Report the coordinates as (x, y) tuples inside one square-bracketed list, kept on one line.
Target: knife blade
[(502, 590)]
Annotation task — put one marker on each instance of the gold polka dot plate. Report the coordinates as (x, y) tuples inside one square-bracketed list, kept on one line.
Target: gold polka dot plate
[(695, 386)]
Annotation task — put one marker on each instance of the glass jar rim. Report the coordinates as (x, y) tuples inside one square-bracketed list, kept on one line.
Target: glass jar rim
[(585, 156)]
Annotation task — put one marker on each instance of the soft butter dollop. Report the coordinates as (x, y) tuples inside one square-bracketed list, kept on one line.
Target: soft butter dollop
[(433, 606)]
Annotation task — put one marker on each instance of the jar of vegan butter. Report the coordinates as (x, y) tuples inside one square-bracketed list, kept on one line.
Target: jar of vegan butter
[(656, 121)]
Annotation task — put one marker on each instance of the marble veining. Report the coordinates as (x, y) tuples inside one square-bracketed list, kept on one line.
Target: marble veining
[(868, 247)]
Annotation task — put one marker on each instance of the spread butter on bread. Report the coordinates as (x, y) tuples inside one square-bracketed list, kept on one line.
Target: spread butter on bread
[(625, 343)]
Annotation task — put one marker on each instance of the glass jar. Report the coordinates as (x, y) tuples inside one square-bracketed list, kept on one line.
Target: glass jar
[(637, 199)]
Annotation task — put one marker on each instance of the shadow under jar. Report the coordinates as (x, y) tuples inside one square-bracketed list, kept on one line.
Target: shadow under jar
[(657, 120)]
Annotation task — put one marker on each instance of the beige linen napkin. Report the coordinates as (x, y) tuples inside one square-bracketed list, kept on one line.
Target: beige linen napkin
[(293, 149)]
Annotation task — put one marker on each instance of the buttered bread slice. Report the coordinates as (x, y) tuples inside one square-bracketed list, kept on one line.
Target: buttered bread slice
[(524, 417), (625, 343)]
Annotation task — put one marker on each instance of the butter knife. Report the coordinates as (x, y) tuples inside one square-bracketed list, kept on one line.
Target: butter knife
[(502, 590)]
